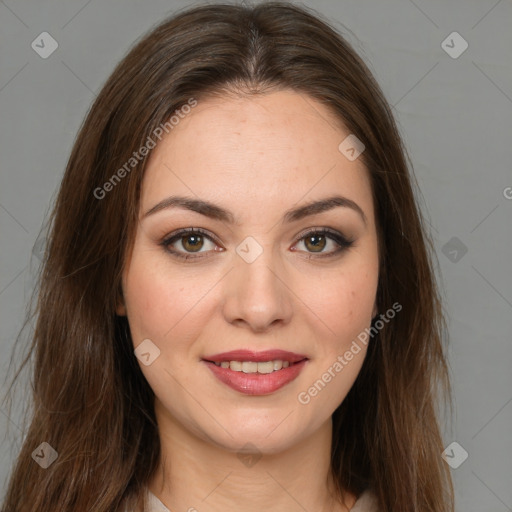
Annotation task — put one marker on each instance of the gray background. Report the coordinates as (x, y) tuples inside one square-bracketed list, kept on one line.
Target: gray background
[(455, 115)]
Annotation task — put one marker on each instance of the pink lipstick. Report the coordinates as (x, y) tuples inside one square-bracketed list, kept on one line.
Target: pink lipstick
[(256, 373)]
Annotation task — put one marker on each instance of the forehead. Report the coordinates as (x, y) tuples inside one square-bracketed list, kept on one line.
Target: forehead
[(256, 151)]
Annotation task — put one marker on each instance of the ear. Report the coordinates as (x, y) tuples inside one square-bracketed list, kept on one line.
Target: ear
[(375, 311)]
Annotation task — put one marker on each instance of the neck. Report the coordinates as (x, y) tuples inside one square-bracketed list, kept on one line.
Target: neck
[(195, 473)]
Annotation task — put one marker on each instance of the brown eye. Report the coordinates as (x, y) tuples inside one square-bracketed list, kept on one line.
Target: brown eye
[(192, 243), (315, 242), (186, 242)]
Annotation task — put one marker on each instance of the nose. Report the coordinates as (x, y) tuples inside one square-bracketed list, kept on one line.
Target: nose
[(258, 295)]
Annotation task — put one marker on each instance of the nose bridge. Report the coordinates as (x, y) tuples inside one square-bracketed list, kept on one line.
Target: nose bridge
[(260, 274), (256, 293)]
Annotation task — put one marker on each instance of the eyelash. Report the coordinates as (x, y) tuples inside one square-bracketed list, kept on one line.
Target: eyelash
[(340, 240)]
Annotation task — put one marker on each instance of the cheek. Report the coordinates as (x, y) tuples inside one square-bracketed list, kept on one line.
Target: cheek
[(144, 296), (344, 304), (155, 299), (166, 303)]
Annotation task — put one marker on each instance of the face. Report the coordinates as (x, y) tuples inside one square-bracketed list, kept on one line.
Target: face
[(255, 277)]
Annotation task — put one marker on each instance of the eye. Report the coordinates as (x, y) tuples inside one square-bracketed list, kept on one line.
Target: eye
[(192, 240), (317, 239)]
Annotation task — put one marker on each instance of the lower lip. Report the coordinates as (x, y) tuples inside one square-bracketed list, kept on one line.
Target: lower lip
[(256, 383)]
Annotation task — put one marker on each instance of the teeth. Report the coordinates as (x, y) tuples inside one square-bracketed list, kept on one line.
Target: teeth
[(235, 366), (249, 367), (267, 367), (253, 367)]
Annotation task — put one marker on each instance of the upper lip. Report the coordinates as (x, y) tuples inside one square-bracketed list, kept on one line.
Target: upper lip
[(257, 357)]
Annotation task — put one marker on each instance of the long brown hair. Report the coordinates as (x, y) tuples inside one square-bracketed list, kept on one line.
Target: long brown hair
[(91, 402)]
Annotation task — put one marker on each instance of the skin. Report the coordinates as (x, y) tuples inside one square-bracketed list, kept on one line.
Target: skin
[(257, 157)]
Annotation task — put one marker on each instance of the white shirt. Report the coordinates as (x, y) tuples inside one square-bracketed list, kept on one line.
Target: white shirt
[(365, 503)]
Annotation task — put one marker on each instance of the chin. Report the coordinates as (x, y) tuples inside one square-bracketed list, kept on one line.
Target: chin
[(258, 439)]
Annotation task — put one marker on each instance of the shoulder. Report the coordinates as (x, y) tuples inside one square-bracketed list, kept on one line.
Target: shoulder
[(367, 502)]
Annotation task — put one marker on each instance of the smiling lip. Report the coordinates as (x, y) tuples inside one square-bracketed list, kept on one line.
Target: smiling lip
[(256, 383), (257, 357)]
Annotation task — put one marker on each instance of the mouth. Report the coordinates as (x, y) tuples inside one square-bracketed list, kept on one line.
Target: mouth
[(256, 373), (264, 367)]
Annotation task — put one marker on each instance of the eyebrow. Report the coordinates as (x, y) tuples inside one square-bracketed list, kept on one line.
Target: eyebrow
[(216, 212)]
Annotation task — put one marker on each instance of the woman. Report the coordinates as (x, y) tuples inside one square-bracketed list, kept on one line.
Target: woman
[(237, 308)]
